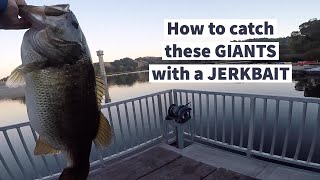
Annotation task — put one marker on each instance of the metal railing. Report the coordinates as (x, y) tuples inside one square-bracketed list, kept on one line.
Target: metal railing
[(279, 128), (137, 124), (285, 129)]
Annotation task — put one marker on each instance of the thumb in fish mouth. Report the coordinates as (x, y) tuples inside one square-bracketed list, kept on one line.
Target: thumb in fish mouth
[(36, 15)]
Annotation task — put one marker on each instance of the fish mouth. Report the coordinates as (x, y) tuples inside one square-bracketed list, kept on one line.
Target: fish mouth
[(36, 15)]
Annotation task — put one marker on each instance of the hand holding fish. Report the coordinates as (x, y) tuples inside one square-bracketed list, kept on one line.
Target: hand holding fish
[(9, 12)]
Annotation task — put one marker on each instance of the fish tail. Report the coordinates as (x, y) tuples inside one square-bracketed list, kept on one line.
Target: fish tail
[(80, 166)]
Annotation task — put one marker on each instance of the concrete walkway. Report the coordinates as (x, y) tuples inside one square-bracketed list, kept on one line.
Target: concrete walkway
[(242, 164)]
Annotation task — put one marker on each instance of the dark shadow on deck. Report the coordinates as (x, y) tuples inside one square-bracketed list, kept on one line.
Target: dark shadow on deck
[(159, 163)]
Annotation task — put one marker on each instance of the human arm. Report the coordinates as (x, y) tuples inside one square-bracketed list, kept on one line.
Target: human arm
[(9, 12)]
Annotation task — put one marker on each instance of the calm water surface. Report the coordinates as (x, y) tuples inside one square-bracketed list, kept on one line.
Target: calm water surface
[(126, 86)]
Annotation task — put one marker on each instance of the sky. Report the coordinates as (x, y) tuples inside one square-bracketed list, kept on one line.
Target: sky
[(134, 28)]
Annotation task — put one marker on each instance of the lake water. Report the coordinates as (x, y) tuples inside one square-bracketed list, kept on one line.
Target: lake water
[(13, 110), (126, 86)]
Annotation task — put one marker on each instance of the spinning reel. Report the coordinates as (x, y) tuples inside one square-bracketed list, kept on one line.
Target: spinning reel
[(181, 114)]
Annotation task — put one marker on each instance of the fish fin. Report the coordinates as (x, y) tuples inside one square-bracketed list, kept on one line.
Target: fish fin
[(42, 148), (16, 78), (100, 90), (104, 134)]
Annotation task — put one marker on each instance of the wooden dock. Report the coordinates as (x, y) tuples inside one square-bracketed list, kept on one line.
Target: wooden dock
[(163, 164)]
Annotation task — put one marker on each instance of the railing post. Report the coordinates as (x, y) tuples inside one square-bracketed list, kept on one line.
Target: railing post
[(251, 126), (104, 75), (179, 129), (175, 96), (163, 123), (179, 135)]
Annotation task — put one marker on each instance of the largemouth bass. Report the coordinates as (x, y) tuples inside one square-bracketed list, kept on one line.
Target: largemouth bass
[(63, 95)]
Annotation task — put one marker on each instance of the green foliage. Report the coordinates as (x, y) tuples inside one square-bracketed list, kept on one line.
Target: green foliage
[(306, 42)]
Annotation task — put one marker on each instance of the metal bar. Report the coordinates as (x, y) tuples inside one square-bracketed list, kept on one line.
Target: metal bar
[(187, 101), (179, 134), (232, 120), (133, 99), (284, 149), (275, 128), (251, 126), (215, 112), (5, 128), (28, 152), (200, 120), (114, 137), (163, 122), (263, 124), (166, 127), (242, 122), (148, 115), (42, 157), (175, 97), (98, 151), (208, 117), (179, 129), (165, 103), (304, 115), (171, 97), (315, 136), (14, 153), (6, 166), (193, 123), (283, 98), (223, 119), (142, 121), (57, 161), (128, 123), (135, 121), (154, 114), (161, 115), (121, 129)]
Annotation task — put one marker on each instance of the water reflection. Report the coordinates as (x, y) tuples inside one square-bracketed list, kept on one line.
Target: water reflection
[(124, 80), (128, 79), (309, 85)]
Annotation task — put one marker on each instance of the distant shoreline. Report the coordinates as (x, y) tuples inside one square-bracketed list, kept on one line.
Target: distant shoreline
[(19, 92), (11, 93), (124, 73)]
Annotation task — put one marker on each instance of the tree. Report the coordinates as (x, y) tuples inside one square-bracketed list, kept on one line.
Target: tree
[(311, 29), (306, 42)]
